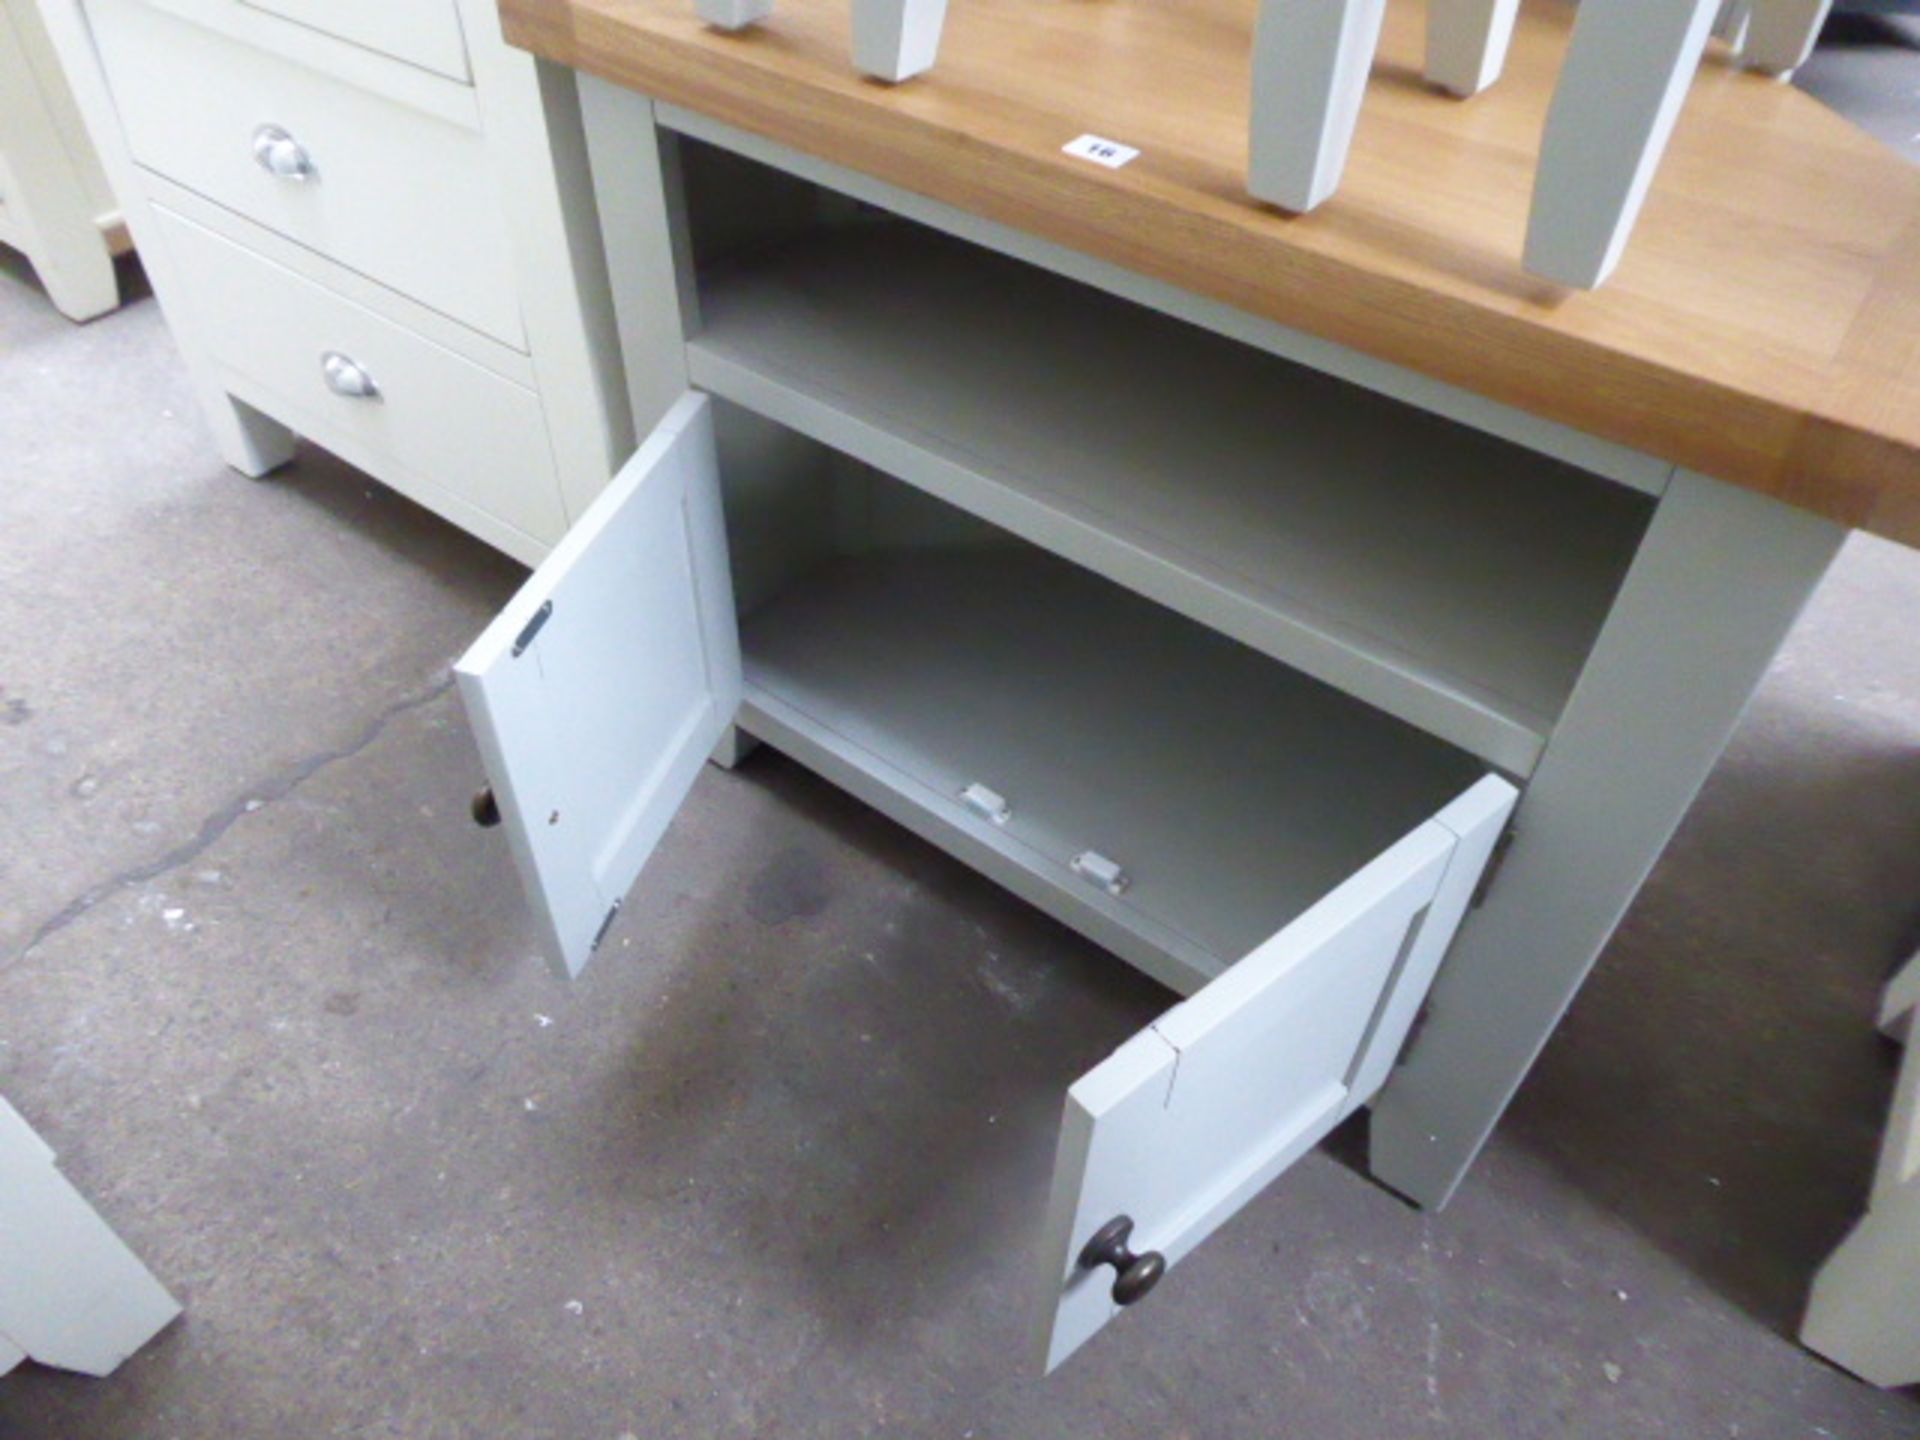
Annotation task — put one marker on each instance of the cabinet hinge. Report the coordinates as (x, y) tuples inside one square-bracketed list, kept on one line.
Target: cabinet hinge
[(1495, 862), (525, 637), (605, 925)]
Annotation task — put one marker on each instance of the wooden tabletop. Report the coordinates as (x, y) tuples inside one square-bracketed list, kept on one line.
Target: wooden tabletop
[(1764, 326)]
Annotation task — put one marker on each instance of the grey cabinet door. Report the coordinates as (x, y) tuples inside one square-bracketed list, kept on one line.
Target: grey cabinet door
[(602, 687), (1194, 1116)]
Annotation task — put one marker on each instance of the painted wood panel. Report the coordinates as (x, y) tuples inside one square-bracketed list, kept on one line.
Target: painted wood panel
[(1189, 1120), (421, 32), (602, 687)]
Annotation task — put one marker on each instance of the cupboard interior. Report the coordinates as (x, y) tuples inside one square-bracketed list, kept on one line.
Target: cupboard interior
[(1452, 578), (910, 651)]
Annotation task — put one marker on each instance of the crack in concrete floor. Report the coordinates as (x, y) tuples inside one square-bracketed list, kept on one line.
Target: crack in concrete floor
[(250, 800)]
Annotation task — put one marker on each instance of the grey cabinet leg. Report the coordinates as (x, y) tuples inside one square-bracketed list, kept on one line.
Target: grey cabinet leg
[(1860, 1314), (734, 747), (1718, 581)]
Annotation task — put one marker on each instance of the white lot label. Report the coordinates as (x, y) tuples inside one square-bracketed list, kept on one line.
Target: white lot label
[(1110, 153)]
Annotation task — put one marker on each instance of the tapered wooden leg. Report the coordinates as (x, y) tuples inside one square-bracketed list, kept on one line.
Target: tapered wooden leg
[(71, 1294), (1310, 64), (252, 443), (1717, 583), (896, 39), (1627, 71), (1467, 42), (1782, 33)]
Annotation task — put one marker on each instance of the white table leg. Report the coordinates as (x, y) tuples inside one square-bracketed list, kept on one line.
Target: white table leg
[(1782, 33), (1310, 64), (1718, 581), (1467, 42), (71, 1294), (1628, 67), (1731, 23), (896, 39), (733, 14)]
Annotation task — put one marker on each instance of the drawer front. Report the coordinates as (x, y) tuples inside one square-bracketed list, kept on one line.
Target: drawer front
[(403, 197), (421, 32), (454, 436)]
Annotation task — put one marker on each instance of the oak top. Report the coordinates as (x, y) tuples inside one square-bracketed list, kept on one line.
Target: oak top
[(1764, 326)]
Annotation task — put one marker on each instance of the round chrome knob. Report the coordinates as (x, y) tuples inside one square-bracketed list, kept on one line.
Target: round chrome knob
[(278, 153), (1134, 1275), (346, 376)]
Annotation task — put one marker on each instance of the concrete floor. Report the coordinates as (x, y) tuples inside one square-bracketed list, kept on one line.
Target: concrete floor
[(772, 1167)]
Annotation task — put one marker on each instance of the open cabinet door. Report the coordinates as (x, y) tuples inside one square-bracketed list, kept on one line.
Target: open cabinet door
[(599, 691), (1194, 1116)]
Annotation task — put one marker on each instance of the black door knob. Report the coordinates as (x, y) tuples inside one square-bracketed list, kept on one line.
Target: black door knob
[(486, 810), (1134, 1275)]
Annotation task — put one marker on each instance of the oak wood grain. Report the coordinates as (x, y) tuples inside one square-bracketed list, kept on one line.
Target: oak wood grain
[(1764, 327)]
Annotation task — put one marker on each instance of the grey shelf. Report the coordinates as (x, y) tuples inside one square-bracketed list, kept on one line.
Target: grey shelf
[(1235, 792), (1455, 580)]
